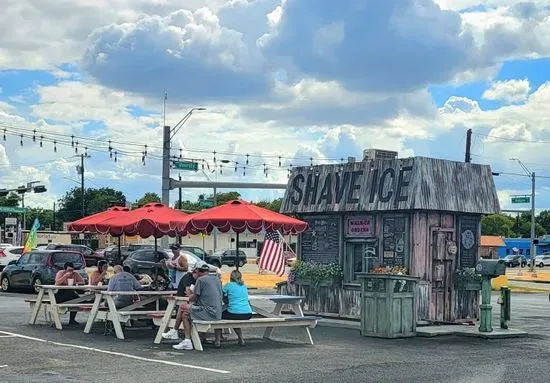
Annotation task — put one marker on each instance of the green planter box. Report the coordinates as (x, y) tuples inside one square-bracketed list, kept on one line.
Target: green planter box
[(388, 305), (468, 285)]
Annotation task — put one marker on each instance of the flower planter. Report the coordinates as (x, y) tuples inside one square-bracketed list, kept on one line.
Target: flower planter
[(323, 283)]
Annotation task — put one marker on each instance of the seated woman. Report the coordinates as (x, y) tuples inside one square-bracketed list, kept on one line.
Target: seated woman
[(62, 279), (99, 275), (238, 307)]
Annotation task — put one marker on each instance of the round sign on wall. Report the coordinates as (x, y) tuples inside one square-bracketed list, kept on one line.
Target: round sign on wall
[(451, 248), (468, 239)]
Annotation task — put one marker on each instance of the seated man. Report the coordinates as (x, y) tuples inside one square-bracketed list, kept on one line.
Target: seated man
[(207, 300), (123, 281), (62, 279), (187, 281)]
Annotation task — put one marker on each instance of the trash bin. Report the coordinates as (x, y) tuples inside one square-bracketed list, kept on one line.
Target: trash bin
[(388, 305)]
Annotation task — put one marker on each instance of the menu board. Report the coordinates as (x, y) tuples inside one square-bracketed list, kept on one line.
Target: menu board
[(394, 241), (468, 241), (360, 226), (321, 242)]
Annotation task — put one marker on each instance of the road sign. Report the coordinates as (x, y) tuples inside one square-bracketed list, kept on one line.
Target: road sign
[(525, 199), (186, 165), (206, 203), (10, 209)]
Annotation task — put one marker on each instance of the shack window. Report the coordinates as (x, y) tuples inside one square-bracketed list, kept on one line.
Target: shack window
[(394, 241), (520, 251), (360, 257), (507, 251)]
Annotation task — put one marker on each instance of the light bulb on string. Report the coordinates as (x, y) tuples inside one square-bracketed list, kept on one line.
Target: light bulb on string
[(72, 141), (244, 170), (4, 134), (21, 142), (116, 153), (279, 161), (143, 158), (311, 163), (221, 169), (55, 146), (265, 172), (34, 135), (76, 147), (110, 149), (247, 158), (203, 165), (214, 158), (41, 140), (236, 166), (180, 154), (145, 153), (86, 151)]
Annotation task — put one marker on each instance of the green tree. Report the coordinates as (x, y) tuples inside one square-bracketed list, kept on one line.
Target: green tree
[(497, 224), (543, 219), (222, 198), (45, 216), (97, 200), (148, 198), (274, 205)]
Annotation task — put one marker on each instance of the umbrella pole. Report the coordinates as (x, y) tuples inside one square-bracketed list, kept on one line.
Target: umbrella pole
[(155, 245), (119, 258), (237, 253)]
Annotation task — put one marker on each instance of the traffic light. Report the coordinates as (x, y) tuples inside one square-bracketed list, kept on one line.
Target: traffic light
[(40, 189), (4, 192), (22, 190)]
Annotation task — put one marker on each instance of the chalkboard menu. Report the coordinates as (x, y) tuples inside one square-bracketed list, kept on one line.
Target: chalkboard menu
[(394, 241), (468, 241), (321, 242)]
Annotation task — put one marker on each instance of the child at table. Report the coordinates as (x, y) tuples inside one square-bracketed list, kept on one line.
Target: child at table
[(62, 279)]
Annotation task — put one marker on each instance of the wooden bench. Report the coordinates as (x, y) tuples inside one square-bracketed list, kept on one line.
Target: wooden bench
[(32, 302), (306, 322)]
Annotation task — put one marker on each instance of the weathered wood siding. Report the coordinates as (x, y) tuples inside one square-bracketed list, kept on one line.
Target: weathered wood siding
[(388, 185)]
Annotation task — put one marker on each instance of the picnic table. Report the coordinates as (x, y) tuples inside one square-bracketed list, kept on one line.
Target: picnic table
[(268, 319), (123, 315), (46, 298)]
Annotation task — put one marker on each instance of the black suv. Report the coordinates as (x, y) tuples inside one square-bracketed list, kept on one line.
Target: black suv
[(515, 260), (39, 267), (114, 258), (143, 261), (90, 256), (227, 257), (211, 259)]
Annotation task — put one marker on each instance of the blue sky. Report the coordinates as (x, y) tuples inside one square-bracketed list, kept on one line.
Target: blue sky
[(278, 78)]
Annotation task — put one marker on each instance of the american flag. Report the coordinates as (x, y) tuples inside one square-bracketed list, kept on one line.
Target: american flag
[(271, 257)]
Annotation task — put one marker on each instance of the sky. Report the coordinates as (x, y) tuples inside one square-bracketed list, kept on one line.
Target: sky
[(283, 82)]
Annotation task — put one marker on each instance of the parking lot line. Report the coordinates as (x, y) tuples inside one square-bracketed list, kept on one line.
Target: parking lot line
[(165, 362), (7, 336)]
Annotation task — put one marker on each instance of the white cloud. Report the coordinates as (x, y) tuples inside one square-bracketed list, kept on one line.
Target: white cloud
[(510, 91)]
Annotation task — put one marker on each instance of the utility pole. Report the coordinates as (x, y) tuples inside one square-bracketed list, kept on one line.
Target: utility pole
[(83, 213), (533, 247), (24, 211), (468, 156), (53, 218), (167, 135), (179, 204)]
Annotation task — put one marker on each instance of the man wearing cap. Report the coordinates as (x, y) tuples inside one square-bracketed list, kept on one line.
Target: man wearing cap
[(177, 266), (206, 304)]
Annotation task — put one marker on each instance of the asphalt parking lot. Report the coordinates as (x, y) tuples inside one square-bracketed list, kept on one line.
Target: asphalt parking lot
[(43, 354)]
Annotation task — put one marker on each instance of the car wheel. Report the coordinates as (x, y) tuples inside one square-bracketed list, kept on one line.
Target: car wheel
[(5, 283), (37, 281), (541, 265)]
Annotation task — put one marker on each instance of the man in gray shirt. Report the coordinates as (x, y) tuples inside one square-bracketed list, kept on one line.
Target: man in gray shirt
[(123, 281), (207, 302)]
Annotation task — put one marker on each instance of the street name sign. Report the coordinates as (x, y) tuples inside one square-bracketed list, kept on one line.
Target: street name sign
[(11, 209), (524, 199), (186, 165), (206, 203)]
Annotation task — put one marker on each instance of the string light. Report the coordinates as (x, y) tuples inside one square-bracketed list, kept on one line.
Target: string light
[(55, 146), (180, 154), (116, 153), (236, 166), (72, 141), (244, 170), (145, 153), (21, 142), (41, 140), (4, 134), (248, 155), (279, 161), (76, 147), (86, 151), (34, 135), (221, 169), (214, 158)]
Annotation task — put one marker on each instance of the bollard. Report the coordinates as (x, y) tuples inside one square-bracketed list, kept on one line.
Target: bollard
[(505, 307), (486, 316)]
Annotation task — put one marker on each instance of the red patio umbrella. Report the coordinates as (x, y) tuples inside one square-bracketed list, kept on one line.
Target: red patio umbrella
[(239, 216), (153, 219), (89, 223)]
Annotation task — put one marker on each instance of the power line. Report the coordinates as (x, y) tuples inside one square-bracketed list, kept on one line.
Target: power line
[(512, 139)]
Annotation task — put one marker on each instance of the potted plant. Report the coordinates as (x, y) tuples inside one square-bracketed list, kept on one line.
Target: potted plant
[(317, 274), (467, 279)]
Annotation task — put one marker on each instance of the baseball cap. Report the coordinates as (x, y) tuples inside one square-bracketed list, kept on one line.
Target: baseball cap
[(202, 266), (175, 246)]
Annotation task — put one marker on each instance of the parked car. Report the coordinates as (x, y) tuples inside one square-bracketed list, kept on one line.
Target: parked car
[(143, 261), (208, 258), (542, 260), (112, 255), (227, 257), (39, 267), (8, 254), (4, 245), (90, 256), (515, 260)]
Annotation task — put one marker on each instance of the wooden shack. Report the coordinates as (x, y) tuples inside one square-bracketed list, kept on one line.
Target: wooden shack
[(423, 213)]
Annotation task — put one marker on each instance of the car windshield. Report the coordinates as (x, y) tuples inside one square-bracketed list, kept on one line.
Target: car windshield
[(188, 253), (59, 259)]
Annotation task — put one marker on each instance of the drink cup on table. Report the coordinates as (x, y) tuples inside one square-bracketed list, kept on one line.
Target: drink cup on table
[(70, 281)]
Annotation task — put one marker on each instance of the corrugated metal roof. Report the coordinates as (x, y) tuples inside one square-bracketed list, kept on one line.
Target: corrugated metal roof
[(491, 241)]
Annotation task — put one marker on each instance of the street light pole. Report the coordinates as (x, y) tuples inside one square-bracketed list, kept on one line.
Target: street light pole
[(533, 177)]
